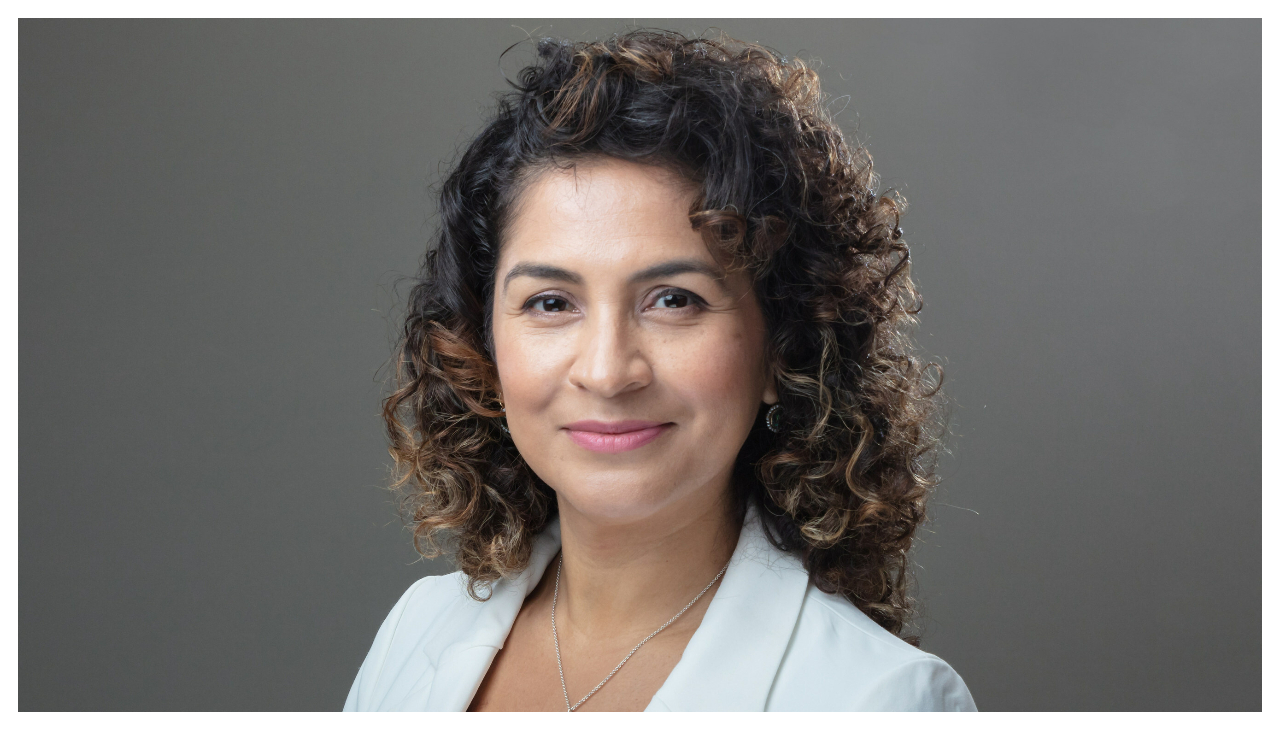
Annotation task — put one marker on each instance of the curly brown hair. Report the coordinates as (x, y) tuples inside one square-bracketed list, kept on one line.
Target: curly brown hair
[(782, 196)]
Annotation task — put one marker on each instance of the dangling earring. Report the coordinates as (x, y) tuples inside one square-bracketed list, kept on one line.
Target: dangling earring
[(503, 423), (773, 419)]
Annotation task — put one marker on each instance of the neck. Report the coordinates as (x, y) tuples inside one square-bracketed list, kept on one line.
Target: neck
[(633, 577)]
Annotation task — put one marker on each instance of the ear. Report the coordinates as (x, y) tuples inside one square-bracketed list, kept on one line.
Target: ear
[(770, 395)]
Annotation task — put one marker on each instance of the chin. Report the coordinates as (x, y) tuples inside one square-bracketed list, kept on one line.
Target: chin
[(619, 503)]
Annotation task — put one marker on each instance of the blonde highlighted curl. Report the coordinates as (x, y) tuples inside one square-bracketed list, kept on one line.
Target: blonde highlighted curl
[(783, 197)]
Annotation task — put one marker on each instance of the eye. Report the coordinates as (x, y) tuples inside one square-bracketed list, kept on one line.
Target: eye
[(548, 304), (676, 299), (672, 301)]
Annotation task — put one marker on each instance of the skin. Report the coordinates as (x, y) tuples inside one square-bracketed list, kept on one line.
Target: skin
[(587, 324)]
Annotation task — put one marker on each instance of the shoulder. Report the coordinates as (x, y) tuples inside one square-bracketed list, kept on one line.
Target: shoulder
[(431, 610), (839, 659), (425, 606), (432, 597)]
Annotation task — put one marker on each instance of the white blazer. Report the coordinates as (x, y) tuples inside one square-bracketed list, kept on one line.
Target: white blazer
[(768, 641)]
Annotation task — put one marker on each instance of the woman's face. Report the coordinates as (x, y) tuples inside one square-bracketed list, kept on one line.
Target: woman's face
[(631, 367)]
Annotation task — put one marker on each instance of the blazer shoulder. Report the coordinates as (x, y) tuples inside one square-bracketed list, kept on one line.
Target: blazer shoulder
[(433, 594), (851, 625), (429, 606), (840, 659), (421, 611)]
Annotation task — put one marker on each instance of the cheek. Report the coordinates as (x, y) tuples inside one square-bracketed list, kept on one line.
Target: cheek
[(529, 366), (720, 370)]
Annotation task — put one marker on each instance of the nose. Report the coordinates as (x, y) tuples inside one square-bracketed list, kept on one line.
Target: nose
[(610, 359)]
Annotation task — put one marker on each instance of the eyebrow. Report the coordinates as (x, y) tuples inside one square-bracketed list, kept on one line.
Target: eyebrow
[(540, 271), (657, 271)]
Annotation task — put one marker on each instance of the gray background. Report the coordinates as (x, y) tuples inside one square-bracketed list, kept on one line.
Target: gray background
[(213, 217)]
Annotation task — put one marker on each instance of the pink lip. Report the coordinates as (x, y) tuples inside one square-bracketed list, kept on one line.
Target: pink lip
[(616, 436)]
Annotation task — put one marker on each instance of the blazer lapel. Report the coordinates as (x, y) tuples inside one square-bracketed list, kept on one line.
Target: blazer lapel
[(732, 658), (458, 667)]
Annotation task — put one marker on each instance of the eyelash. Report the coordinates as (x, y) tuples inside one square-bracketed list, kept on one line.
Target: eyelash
[(695, 301)]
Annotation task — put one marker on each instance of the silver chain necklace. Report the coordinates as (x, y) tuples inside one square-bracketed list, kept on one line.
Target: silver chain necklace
[(554, 635)]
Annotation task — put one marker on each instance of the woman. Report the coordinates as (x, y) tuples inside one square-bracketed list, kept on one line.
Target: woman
[(657, 400)]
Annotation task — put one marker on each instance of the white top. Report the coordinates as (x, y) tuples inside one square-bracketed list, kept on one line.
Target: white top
[(768, 641)]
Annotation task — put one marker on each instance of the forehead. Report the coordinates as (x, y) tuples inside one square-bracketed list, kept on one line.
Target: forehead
[(601, 213)]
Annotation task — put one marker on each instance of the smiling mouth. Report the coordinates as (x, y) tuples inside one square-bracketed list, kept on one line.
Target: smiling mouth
[(612, 438)]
